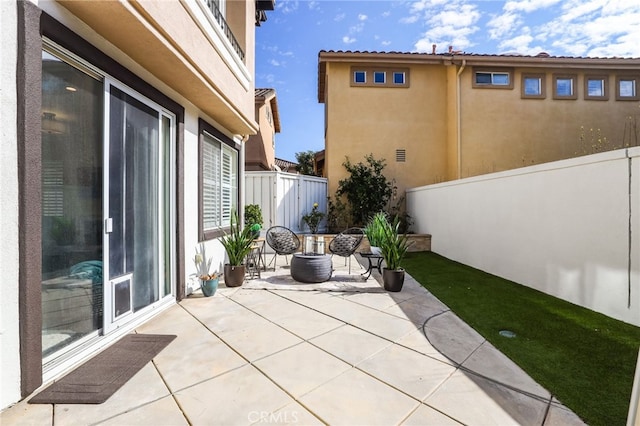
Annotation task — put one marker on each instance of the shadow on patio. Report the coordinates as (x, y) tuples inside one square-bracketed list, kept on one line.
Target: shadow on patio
[(340, 352)]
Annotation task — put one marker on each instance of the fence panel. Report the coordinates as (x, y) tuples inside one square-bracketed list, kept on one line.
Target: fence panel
[(568, 228)]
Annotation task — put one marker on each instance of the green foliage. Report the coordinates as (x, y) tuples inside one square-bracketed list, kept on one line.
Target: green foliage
[(253, 215), (393, 245), (366, 189), (313, 218), (237, 242), (375, 229), (585, 359), (338, 215), (306, 161), (399, 211)]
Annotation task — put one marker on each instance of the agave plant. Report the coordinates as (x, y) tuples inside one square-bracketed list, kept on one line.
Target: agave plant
[(237, 242), (374, 229), (394, 245)]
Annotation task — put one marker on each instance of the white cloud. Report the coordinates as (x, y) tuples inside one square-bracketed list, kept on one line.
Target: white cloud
[(339, 17), (452, 24), (287, 6), (386, 14), (503, 25), (314, 5), (348, 40), (362, 17), (386, 43), (274, 63), (528, 6)]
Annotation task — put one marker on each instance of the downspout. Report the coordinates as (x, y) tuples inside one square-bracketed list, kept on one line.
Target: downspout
[(241, 183), (459, 117)]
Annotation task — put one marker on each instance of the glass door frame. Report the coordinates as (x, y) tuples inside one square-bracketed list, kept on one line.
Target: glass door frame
[(165, 207)]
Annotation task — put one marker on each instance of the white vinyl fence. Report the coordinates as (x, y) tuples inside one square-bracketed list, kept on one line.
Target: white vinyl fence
[(569, 228), (285, 197)]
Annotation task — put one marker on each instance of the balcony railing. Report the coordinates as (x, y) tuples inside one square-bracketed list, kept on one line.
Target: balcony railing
[(217, 14)]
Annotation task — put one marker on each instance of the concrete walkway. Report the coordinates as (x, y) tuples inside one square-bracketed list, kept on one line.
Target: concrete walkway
[(277, 352)]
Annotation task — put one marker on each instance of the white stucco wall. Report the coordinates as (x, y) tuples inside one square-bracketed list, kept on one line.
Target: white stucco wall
[(562, 228), (9, 337)]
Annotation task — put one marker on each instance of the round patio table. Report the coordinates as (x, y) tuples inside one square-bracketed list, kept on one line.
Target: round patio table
[(311, 268)]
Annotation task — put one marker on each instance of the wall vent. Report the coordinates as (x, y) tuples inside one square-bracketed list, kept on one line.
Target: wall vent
[(401, 155)]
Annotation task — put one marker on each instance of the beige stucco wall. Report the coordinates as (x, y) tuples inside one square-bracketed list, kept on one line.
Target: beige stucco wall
[(501, 131), (177, 42), (381, 120), (260, 148)]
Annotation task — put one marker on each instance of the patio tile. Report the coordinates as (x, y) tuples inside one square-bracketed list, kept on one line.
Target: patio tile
[(143, 388), (355, 398), (223, 315), (293, 413), (417, 309), (426, 415), (164, 411), (378, 301), (383, 325), (259, 341), (24, 413), (418, 342), (302, 368), (561, 416), (490, 362), (411, 372), (470, 399), (351, 344), (310, 299), (452, 336), (251, 298), (308, 323), (233, 398)]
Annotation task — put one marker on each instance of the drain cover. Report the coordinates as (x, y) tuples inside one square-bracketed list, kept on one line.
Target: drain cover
[(507, 333)]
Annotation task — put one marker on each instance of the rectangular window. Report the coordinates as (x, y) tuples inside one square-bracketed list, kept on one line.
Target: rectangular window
[(500, 79), (533, 86), (398, 78), (218, 182), (627, 89), (596, 87), (564, 87)]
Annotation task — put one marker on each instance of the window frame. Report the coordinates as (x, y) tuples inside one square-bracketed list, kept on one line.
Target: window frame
[(492, 71), (355, 76), (204, 130), (372, 69), (543, 85), (622, 77), (378, 73), (605, 87), (574, 86), (404, 78)]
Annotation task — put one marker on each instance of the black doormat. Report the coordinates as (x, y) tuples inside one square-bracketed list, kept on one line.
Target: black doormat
[(100, 377)]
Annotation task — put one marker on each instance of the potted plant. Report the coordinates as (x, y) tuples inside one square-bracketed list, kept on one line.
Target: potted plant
[(253, 218), (313, 218), (374, 231), (394, 248), (208, 280), (237, 244)]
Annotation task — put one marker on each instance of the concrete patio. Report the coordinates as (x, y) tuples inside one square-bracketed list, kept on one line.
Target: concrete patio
[(343, 352)]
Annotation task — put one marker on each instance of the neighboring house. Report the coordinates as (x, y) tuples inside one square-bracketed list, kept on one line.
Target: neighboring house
[(286, 165), (439, 117), (260, 150), (123, 124)]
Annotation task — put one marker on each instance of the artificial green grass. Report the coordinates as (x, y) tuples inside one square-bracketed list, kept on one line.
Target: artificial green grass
[(585, 359)]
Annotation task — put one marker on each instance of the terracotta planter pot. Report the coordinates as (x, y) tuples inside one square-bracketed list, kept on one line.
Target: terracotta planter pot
[(233, 275), (393, 279)]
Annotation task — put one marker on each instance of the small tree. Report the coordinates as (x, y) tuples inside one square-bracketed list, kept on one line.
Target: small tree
[(367, 190), (305, 164)]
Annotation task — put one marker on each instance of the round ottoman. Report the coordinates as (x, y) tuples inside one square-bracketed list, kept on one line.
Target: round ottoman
[(311, 268)]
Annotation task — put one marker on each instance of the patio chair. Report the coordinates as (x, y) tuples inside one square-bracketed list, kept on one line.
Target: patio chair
[(283, 241), (346, 243)]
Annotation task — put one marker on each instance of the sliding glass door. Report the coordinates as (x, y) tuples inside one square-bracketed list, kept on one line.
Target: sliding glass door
[(107, 197)]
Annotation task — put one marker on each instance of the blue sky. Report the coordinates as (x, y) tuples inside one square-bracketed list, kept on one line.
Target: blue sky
[(287, 45)]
